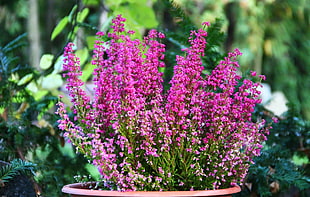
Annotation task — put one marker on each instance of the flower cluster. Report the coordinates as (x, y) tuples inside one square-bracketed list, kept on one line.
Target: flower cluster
[(197, 135)]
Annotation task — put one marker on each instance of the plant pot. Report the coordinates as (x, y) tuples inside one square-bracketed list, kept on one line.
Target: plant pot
[(81, 190)]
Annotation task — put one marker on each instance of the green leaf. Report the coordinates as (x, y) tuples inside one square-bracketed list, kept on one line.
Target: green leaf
[(46, 61), (87, 71), (18, 139), (91, 2), (72, 14), (14, 168), (25, 79), (60, 26), (52, 81), (82, 54), (1, 110), (135, 1), (161, 69), (113, 4), (138, 16), (40, 94), (90, 40), (93, 171), (58, 64), (37, 91), (82, 15), (32, 87), (146, 17), (298, 160), (72, 35)]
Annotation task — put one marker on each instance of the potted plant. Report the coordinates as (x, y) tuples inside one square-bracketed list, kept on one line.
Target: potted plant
[(197, 136)]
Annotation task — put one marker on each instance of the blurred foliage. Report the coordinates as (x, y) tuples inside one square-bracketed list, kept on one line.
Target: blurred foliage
[(272, 34), (292, 132), (11, 22), (28, 125), (177, 25), (274, 174), (18, 108), (284, 165)]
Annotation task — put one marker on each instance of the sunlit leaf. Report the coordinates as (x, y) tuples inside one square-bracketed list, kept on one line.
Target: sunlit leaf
[(161, 69), (90, 40), (60, 26), (113, 4), (82, 54), (135, 1), (14, 77), (25, 79), (93, 171), (58, 64), (72, 14), (52, 81), (91, 2), (40, 94), (46, 61), (82, 15), (87, 71), (32, 87), (137, 20)]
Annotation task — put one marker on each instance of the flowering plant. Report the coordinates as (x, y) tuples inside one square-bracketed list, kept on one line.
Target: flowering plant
[(196, 135)]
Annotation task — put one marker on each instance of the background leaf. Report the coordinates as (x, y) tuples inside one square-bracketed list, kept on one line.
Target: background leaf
[(60, 26), (46, 61)]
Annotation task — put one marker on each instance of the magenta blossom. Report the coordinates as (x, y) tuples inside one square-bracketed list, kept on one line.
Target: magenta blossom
[(197, 135)]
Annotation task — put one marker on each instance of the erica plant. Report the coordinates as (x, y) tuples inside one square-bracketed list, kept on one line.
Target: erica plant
[(197, 135)]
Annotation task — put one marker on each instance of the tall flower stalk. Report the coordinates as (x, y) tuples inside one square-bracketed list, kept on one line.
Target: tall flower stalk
[(197, 135)]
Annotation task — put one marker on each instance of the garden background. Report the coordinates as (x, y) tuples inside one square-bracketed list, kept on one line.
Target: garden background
[(273, 35)]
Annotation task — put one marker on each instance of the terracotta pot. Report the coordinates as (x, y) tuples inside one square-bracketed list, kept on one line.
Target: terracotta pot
[(80, 190)]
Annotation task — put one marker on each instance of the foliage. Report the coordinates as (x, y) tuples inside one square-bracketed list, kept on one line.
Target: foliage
[(11, 22), (33, 135), (7, 69), (18, 128), (26, 125), (137, 21), (142, 139), (57, 167), (273, 35), (75, 19), (292, 132), (177, 25), (287, 50), (275, 172), (14, 168)]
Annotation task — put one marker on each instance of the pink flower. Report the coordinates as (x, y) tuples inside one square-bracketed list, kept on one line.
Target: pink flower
[(206, 23), (263, 77), (142, 137)]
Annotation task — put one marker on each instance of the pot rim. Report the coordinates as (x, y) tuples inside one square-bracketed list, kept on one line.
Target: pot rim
[(76, 190)]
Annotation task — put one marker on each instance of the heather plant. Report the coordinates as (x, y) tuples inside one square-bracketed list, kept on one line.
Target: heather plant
[(199, 134)]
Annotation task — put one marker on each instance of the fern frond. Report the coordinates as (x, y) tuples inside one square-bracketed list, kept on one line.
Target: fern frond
[(16, 43), (14, 168)]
